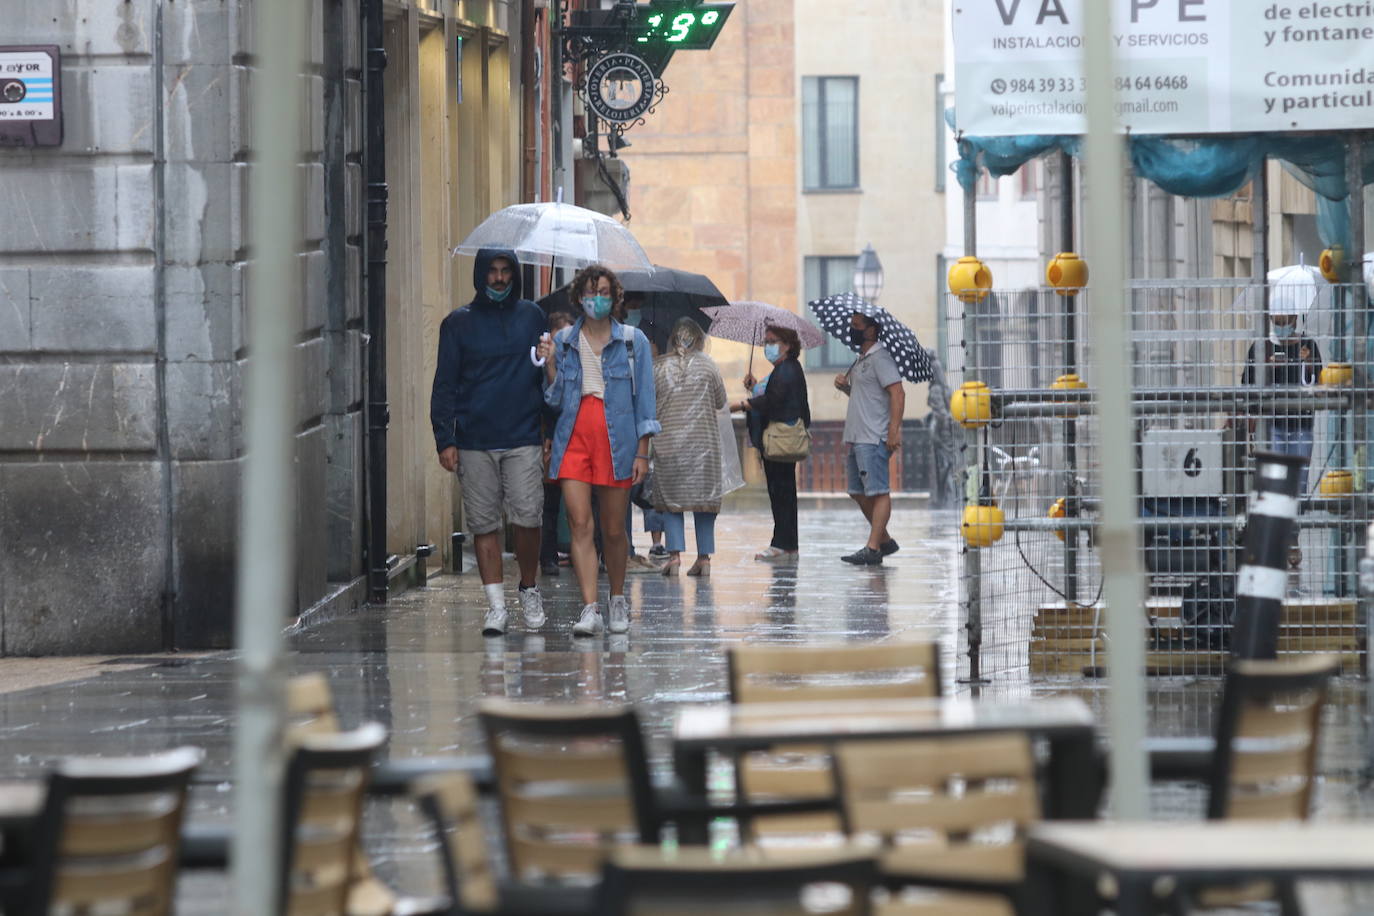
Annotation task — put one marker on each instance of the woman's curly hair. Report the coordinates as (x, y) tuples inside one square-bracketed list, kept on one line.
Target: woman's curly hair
[(590, 276)]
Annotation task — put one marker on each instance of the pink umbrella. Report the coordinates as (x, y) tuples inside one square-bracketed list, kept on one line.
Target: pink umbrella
[(745, 322)]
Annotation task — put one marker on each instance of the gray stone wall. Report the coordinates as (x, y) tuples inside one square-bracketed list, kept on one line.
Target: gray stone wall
[(122, 270)]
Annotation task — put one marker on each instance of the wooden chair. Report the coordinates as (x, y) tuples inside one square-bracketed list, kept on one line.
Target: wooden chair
[(1267, 733), (311, 710), (641, 881), (1264, 765), (310, 706), (450, 802), (109, 835), (764, 674), (325, 783), (572, 781), (949, 813)]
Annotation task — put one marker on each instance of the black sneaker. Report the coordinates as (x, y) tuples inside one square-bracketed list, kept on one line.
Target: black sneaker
[(889, 548), (549, 567), (658, 550), (865, 556)]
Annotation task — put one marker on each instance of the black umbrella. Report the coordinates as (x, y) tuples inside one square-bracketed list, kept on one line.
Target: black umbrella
[(833, 314), (669, 294)]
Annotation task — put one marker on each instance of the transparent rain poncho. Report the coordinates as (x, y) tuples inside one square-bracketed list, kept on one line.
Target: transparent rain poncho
[(696, 460)]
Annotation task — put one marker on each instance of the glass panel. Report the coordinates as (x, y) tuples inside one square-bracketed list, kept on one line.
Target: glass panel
[(841, 132), (811, 132)]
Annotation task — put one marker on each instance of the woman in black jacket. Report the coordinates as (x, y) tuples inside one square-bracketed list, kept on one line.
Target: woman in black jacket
[(780, 396)]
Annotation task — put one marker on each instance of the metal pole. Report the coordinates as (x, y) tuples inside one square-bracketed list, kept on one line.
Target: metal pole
[(267, 552), (556, 125), (1120, 539), (1070, 365), (973, 567), (1263, 578), (378, 410)]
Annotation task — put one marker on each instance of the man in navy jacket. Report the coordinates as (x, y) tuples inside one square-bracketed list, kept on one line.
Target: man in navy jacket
[(485, 408)]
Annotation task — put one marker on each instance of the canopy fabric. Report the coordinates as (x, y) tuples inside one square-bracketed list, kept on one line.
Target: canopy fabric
[(1193, 167)]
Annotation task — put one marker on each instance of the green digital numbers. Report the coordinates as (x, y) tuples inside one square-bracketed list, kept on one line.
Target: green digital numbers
[(682, 24)]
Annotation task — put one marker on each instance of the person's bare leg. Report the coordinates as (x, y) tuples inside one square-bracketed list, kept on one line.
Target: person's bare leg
[(614, 542), (880, 512), (487, 547), (527, 554), (577, 498)]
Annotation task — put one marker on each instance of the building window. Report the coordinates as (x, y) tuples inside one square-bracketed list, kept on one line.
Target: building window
[(941, 133), (830, 132), (987, 185), (1028, 179), (829, 276)]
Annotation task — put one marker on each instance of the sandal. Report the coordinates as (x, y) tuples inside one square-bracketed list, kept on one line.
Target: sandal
[(671, 568), (700, 568)]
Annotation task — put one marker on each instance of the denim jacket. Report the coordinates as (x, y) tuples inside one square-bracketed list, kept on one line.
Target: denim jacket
[(631, 407)]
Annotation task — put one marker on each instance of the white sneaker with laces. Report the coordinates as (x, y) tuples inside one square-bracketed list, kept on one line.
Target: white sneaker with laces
[(495, 622), (532, 607), (620, 614), (590, 622)]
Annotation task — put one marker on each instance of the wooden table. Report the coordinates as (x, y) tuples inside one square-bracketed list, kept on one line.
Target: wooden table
[(1193, 854), (1073, 779)]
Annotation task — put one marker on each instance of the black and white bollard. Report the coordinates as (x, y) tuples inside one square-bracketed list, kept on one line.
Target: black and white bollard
[(1263, 577)]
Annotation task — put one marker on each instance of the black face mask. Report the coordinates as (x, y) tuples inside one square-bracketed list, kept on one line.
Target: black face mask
[(858, 337)]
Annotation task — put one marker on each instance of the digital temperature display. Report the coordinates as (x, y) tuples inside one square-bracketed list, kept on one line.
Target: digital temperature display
[(682, 25)]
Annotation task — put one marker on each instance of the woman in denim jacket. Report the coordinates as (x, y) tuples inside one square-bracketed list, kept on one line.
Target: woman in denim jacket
[(601, 384)]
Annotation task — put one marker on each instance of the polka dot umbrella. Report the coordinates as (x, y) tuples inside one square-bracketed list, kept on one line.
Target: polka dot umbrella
[(913, 360)]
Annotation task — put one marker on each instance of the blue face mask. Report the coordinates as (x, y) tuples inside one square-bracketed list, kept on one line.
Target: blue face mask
[(597, 307), (633, 317), (498, 295), (772, 352), (1284, 331)]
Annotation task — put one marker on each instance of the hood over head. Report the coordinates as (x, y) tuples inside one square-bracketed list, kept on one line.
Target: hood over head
[(687, 338), (482, 263)]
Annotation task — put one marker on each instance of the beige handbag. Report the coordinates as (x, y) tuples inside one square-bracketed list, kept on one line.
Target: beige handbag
[(786, 441)]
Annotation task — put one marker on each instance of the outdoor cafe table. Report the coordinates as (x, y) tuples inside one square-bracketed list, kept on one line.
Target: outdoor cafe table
[(1072, 782), (1192, 854)]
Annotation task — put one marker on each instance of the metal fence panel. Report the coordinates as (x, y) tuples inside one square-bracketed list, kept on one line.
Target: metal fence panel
[(1213, 383)]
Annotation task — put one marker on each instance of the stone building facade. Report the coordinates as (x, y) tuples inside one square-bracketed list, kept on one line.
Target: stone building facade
[(123, 263)]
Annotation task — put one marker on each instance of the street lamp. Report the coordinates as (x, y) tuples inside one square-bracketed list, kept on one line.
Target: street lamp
[(868, 275)]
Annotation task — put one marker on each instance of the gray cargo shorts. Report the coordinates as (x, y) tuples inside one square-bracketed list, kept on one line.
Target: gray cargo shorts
[(512, 479)]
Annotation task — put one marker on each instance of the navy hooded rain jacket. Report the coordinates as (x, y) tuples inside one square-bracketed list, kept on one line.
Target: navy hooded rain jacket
[(487, 393)]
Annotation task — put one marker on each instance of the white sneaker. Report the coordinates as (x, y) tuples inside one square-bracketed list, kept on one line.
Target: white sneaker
[(532, 607), (495, 622), (590, 622), (620, 614)]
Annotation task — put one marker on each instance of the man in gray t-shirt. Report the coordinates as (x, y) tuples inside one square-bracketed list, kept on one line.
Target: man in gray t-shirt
[(873, 431)]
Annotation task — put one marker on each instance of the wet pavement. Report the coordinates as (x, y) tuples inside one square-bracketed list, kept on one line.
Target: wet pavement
[(419, 665)]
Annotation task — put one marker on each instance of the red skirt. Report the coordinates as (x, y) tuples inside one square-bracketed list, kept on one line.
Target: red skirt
[(588, 455)]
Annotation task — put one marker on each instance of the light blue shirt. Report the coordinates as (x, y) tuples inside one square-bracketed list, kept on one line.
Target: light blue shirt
[(631, 402)]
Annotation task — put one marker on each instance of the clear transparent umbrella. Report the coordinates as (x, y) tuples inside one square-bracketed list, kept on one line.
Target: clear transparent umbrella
[(558, 234), (1293, 289)]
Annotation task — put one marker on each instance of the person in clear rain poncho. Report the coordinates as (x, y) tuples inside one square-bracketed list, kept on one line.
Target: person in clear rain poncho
[(687, 453)]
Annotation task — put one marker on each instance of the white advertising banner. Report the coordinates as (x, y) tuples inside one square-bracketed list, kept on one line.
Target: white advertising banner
[(1184, 66)]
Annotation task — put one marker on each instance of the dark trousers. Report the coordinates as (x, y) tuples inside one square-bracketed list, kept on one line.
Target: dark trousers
[(548, 543), (782, 493)]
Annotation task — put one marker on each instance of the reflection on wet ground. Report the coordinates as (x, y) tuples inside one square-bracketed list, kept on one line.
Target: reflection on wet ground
[(419, 664)]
